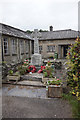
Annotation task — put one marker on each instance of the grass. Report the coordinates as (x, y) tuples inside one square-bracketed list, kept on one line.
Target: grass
[(74, 103)]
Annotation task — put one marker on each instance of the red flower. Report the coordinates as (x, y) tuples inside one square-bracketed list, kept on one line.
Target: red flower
[(40, 71), (27, 60), (42, 67), (69, 53), (33, 70)]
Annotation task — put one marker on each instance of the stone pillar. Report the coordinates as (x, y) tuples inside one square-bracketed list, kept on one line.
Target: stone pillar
[(10, 48), (18, 57), (62, 53), (30, 48), (59, 51), (36, 58)]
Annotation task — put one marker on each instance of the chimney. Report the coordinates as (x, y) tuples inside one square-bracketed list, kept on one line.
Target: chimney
[(51, 28)]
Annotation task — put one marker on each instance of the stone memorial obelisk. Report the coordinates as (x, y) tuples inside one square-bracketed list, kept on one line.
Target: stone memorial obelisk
[(36, 58)]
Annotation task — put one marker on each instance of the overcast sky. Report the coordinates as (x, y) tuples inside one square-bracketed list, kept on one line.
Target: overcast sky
[(40, 14)]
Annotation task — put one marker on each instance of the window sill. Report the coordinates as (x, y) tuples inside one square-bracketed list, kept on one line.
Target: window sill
[(50, 51), (14, 54), (6, 54)]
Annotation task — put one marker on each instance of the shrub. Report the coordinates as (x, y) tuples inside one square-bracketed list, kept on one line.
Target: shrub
[(73, 57)]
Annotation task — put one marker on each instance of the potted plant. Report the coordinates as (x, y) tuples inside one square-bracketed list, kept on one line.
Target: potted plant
[(54, 88), (13, 76)]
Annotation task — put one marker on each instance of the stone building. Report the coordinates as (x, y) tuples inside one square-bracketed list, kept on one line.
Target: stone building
[(51, 42), (15, 43)]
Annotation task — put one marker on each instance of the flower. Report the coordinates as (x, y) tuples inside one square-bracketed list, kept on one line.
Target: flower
[(77, 94), (40, 71), (69, 53), (73, 93), (32, 68)]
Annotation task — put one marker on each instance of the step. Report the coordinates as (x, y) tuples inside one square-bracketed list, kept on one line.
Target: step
[(31, 83), (32, 77)]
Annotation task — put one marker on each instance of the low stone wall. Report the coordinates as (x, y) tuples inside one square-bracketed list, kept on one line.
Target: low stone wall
[(7, 67)]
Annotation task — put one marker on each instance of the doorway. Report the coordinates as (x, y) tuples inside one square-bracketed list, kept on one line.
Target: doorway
[(65, 48)]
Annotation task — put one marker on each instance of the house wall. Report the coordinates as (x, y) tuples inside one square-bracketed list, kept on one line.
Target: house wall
[(18, 56), (58, 48)]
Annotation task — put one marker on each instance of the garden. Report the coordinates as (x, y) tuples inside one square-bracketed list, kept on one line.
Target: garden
[(55, 85)]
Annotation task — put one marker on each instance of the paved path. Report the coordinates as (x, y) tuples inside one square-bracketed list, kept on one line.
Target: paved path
[(24, 91), (31, 102), (23, 107), (31, 83)]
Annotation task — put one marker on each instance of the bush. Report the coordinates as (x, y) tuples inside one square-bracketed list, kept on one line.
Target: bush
[(73, 73)]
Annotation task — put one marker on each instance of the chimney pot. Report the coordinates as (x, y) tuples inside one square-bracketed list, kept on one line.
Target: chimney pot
[(51, 28)]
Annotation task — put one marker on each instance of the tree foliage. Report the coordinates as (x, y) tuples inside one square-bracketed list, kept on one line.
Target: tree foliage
[(73, 73)]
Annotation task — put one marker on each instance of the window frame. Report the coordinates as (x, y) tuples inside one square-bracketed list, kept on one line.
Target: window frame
[(6, 44), (50, 48)]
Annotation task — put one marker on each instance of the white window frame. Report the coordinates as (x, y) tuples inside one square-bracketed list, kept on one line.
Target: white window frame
[(40, 48), (6, 46), (50, 48)]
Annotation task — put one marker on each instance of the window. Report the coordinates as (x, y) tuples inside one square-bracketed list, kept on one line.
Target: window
[(40, 49), (14, 46), (50, 48), (22, 46), (6, 46)]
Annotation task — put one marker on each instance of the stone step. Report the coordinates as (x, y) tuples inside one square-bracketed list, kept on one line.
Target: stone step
[(32, 77), (31, 83)]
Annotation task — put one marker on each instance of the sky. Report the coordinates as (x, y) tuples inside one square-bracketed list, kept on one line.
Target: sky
[(40, 14)]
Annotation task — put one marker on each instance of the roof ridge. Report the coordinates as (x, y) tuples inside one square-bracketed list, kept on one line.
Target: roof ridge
[(64, 30), (60, 30)]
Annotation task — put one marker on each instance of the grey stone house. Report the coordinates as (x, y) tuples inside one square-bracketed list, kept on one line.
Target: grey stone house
[(56, 41), (16, 45)]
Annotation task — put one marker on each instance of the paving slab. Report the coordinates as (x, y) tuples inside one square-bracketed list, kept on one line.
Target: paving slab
[(33, 77), (24, 91), (31, 83)]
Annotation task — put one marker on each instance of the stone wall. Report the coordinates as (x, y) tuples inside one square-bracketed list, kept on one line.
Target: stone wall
[(57, 43), (6, 67), (18, 56)]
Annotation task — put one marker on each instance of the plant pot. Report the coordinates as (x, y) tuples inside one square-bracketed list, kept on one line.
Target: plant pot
[(55, 91), (13, 77)]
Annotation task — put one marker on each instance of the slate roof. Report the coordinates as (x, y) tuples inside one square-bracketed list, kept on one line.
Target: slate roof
[(60, 34), (49, 35), (11, 31)]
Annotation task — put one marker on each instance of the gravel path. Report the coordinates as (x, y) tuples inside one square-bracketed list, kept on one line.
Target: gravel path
[(24, 107)]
